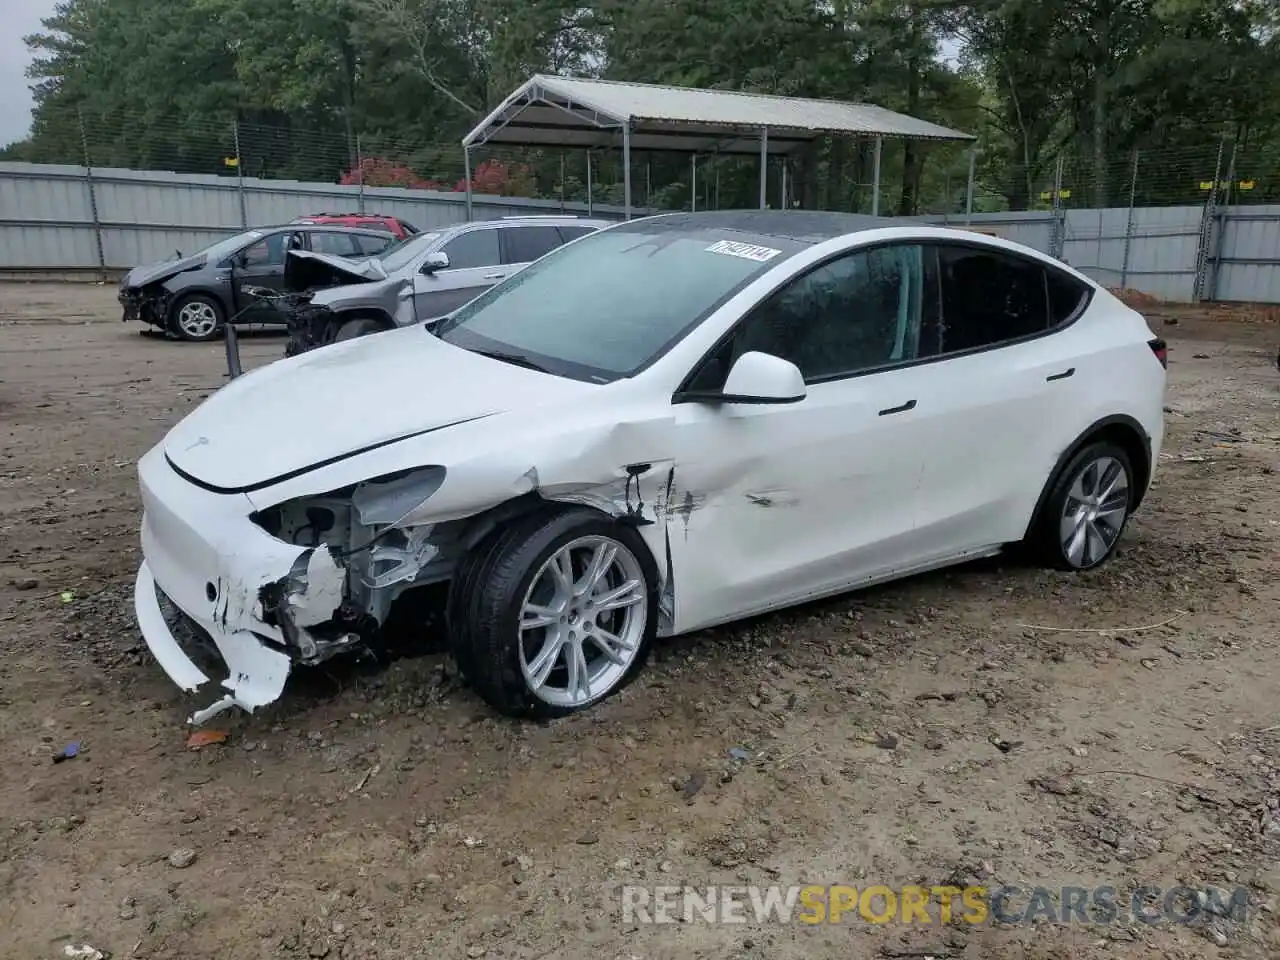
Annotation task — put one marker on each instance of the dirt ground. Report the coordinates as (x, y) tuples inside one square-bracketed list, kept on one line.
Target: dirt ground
[(991, 725)]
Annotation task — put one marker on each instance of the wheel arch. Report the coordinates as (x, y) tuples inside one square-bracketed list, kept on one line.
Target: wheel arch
[(362, 312), (1120, 429)]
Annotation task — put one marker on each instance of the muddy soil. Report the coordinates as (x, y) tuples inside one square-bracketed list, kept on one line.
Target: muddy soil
[(991, 725)]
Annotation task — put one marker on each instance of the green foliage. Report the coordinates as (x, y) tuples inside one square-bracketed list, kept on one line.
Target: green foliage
[(305, 88)]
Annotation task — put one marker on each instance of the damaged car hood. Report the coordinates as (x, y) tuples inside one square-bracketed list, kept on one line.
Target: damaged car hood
[(292, 416), (355, 271), (156, 272)]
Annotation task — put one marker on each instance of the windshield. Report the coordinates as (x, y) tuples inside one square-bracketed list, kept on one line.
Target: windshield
[(229, 245), (399, 255), (609, 304)]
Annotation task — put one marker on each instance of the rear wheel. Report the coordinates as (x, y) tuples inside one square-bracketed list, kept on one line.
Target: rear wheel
[(1087, 508), (359, 327), (197, 317), (555, 613)]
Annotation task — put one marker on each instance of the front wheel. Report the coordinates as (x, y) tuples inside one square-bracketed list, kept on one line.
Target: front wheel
[(1087, 508), (555, 613), (198, 318)]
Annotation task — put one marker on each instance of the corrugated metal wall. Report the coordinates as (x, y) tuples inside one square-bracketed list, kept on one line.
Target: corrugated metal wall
[(52, 217), (48, 220)]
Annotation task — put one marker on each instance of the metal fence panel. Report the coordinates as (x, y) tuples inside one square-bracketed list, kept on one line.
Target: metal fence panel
[(1249, 267)]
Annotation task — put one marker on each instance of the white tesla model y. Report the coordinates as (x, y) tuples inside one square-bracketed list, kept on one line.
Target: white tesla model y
[(672, 423)]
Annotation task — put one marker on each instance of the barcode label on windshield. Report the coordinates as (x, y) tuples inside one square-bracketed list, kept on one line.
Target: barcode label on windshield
[(747, 251)]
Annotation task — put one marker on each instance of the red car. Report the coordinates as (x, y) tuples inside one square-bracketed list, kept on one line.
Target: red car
[(375, 221)]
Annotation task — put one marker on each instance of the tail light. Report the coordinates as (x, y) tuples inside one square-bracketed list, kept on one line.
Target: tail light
[(1161, 350)]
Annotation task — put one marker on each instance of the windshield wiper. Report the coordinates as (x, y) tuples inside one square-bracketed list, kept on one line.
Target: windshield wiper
[(517, 359)]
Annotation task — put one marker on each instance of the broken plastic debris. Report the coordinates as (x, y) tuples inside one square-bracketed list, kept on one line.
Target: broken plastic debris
[(737, 753), (69, 752), (68, 596), (206, 738), (85, 952)]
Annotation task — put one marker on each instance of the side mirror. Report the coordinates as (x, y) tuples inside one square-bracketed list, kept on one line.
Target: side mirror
[(763, 378), (435, 261)]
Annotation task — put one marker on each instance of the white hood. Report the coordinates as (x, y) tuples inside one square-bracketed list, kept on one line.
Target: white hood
[(295, 415)]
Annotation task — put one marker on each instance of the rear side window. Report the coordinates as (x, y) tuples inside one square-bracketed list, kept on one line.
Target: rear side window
[(987, 298), (1067, 296), (476, 248), (573, 233), (526, 244), (338, 244), (371, 245)]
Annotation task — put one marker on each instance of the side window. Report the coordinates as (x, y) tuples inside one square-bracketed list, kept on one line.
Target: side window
[(859, 312), (573, 233), (270, 251), (988, 297), (526, 244), (338, 244), (476, 248), (372, 245), (1067, 296)]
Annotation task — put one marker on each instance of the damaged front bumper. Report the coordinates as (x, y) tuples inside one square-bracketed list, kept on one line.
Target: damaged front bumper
[(309, 326), (256, 598), (149, 307)]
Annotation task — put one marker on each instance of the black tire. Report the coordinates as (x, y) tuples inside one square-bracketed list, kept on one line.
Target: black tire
[(206, 305), (489, 589), (359, 327), (1047, 538)]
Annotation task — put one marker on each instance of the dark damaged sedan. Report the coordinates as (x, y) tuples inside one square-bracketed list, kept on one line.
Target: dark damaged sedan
[(191, 297)]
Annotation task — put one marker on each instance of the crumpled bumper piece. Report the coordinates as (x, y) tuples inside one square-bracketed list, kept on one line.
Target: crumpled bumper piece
[(256, 673)]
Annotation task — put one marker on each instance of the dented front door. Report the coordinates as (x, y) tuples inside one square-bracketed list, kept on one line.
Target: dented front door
[(771, 504)]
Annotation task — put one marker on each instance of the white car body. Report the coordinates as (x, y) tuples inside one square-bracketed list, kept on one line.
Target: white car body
[(744, 507)]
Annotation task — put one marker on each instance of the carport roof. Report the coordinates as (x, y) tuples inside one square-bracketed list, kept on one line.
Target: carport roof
[(574, 112)]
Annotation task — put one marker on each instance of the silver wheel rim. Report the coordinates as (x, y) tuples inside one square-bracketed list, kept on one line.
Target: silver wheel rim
[(1094, 512), (197, 319), (582, 621)]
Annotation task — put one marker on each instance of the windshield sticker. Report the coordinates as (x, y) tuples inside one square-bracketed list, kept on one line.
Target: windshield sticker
[(747, 251)]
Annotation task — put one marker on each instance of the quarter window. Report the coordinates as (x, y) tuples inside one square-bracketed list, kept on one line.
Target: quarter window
[(475, 248), (526, 244), (1067, 296), (856, 313), (371, 245), (988, 297)]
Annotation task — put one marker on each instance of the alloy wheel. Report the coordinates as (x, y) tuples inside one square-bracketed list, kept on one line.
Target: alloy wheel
[(1094, 511), (197, 319), (582, 622)]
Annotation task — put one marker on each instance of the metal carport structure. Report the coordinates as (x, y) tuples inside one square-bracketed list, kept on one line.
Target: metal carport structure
[(552, 111)]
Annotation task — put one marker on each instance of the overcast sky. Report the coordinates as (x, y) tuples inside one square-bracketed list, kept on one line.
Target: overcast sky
[(17, 19)]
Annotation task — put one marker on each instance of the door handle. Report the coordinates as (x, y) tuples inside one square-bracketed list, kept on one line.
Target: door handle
[(909, 405), (494, 276), (1070, 371)]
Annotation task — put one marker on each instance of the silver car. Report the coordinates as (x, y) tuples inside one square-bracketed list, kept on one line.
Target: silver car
[(419, 279)]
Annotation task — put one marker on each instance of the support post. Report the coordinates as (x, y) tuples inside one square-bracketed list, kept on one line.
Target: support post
[(784, 204), (1128, 226), (1220, 225), (875, 177), (360, 168), (693, 183), (1057, 241), (562, 181), (1206, 229), (244, 213), (93, 199), (764, 166), (466, 172), (968, 196), (590, 200), (626, 170), (648, 185)]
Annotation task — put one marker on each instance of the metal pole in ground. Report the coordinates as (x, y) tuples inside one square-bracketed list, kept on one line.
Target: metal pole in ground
[(244, 212), (562, 181), (1057, 242), (764, 166), (968, 196), (93, 199), (875, 177), (1128, 226), (466, 171), (1220, 225), (360, 171), (590, 202), (693, 183), (626, 171)]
